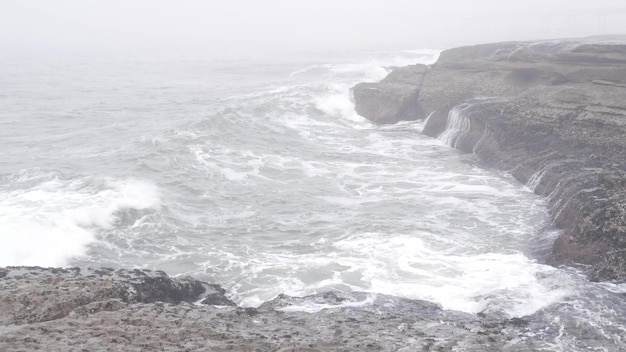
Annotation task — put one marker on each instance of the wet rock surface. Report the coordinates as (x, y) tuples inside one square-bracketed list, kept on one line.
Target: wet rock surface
[(34, 295), (553, 113), (103, 310), (394, 98)]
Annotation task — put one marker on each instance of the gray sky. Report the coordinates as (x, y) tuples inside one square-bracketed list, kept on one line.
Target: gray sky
[(33, 26)]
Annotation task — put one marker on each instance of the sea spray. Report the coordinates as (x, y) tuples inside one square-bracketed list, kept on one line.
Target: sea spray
[(457, 127), (53, 220)]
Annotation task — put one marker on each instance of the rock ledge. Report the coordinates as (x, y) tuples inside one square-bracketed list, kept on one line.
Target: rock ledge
[(137, 310)]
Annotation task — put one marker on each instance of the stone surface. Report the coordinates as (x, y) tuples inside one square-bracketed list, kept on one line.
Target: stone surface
[(552, 113), (33, 295), (394, 98), (105, 310), (136, 310)]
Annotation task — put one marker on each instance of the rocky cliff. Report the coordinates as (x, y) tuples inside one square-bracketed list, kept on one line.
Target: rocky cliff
[(553, 113)]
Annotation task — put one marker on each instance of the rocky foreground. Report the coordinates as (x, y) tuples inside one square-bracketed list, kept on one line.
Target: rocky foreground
[(121, 310), (552, 113)]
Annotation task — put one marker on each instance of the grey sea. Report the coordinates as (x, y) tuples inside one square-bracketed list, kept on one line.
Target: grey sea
[(258, 174)]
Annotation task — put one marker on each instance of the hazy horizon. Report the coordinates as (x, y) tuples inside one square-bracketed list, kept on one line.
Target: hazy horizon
[(246, 27)]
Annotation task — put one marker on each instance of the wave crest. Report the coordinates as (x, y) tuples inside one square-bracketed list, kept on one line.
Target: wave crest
[(46, 223)]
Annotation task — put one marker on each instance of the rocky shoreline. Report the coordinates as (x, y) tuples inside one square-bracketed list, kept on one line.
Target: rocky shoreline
[(75, 309), (138, 310), (552, 113)]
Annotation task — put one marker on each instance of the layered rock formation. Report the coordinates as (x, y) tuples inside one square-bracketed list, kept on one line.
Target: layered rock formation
[(553, 114)]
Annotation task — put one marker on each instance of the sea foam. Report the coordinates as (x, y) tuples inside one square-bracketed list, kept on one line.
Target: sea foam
[(49, 219)]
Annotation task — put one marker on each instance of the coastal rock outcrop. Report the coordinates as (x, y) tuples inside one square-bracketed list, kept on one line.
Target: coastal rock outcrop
[(394, 98), (34, 295), (113, 310), (553, 113)]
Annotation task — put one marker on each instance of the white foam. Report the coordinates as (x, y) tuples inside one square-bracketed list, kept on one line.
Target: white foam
[(614, 287), (218, 163), (338, 103), (312, 307), (426, 120), (457, 126), (453, 272), (535, 179), (343, 201), (377, 67), (373, 65), (52, 221), (406, 266)]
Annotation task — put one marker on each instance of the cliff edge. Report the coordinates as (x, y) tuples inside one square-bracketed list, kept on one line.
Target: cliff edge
[(552, 113)]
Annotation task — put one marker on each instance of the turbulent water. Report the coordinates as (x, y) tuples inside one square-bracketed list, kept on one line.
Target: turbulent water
[(260, 176)]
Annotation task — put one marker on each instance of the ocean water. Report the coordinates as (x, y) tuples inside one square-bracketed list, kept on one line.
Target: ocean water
[(259, 175)]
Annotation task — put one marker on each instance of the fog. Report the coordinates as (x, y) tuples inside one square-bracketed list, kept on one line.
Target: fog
[(251, 26)]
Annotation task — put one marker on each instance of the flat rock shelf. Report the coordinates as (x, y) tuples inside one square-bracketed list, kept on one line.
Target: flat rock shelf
[(111, 310)]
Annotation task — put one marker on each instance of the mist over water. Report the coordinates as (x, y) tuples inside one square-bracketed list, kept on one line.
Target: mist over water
[(260, 176), (248, 28)]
